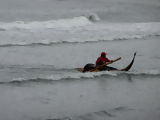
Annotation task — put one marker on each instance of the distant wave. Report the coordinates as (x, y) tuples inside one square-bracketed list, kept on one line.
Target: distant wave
[(51, 24), (111, 113), (61, 23), (30, 44), (50, 42), (77, 75), (71, 31)]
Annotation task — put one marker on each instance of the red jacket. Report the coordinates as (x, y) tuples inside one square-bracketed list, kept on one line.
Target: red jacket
[(101, 61)]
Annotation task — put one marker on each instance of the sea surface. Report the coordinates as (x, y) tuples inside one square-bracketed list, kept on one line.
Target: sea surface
[(43, 41)]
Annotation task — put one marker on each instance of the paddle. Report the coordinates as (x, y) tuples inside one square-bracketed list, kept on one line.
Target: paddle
[(96, 68)]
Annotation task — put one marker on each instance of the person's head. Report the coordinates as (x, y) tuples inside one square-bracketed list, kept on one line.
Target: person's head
[(103, 54)]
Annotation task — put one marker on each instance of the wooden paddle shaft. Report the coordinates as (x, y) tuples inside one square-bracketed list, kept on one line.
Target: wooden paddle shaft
[(116, 59), (113, 61)]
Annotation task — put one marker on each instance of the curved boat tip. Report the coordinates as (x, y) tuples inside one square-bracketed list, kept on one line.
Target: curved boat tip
[(130, 65)]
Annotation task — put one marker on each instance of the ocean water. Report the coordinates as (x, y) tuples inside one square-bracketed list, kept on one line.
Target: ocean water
[(42, 41)]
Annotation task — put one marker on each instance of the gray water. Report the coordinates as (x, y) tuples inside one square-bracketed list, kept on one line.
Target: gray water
[(110, 10), (42, 41)]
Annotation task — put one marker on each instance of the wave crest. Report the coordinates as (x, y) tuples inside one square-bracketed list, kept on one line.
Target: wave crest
[(61, 23), (77, 75), (48, 42), (71, 31)]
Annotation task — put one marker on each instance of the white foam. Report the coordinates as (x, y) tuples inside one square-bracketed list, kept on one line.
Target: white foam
[(78, 75), (69, 31), (62, 23), (89, 75), (67, 75)]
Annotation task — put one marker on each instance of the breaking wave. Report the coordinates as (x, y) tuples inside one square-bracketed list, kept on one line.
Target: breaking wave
[(76, 76), (76, 30), (72, 41), (50, 42), (62, 23)]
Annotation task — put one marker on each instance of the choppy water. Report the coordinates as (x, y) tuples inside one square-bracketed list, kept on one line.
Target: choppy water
[(44, 40)]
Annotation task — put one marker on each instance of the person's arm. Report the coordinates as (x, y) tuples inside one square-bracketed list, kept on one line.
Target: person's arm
[(108, 60)]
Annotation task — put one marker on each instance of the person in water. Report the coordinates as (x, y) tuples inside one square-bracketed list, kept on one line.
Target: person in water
[(102, 60), (99, 64)]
